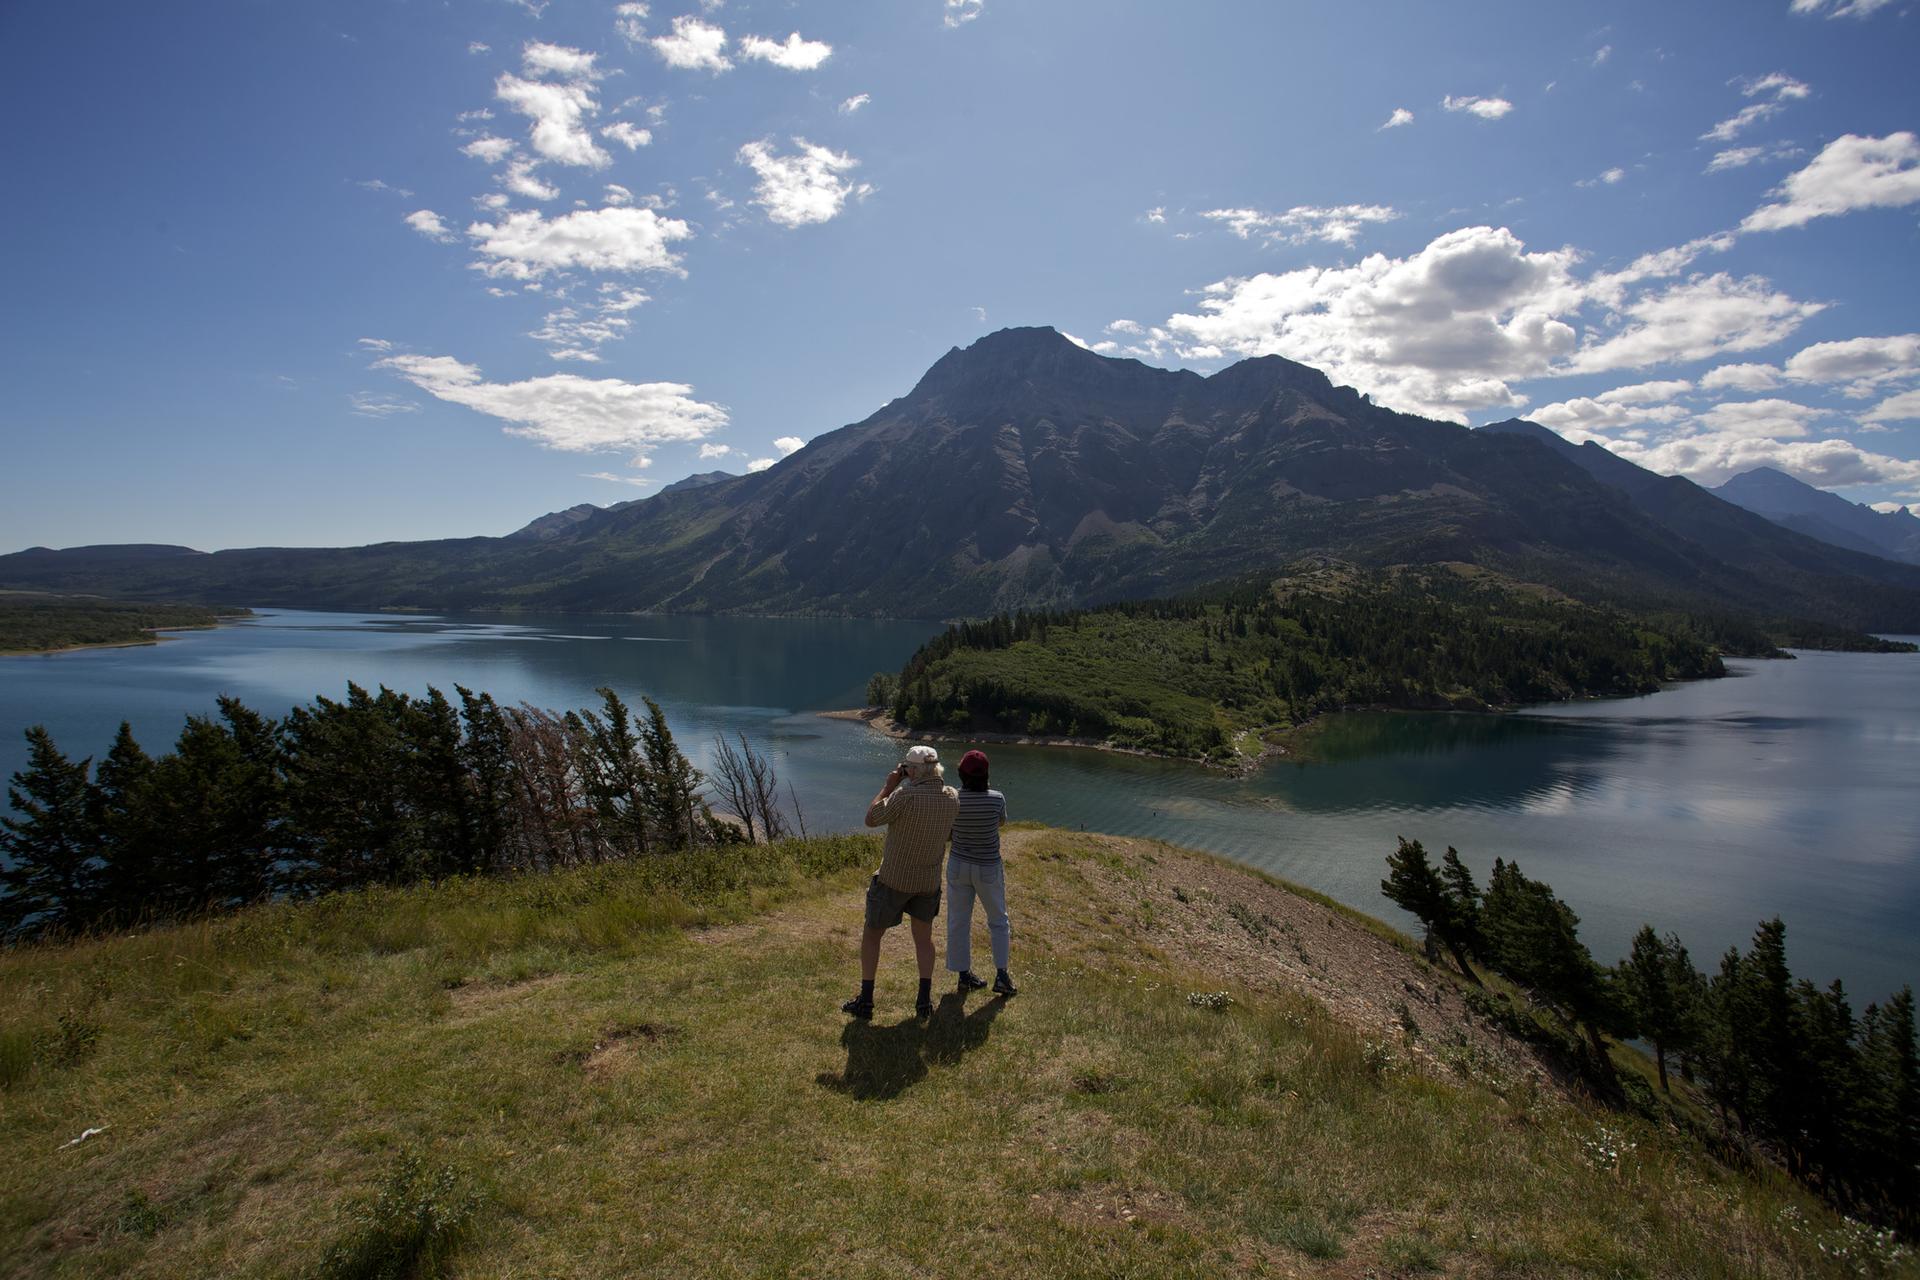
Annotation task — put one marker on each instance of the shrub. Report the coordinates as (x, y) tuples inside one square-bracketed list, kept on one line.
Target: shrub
[(410, 1229), (16, 1056)]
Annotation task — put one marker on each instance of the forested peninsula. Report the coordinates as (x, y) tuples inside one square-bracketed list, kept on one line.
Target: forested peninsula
[(34, 622), (1215, 674)]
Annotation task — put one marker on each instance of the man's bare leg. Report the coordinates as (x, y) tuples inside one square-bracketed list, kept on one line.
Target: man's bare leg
[(922, 946), (870, 951)]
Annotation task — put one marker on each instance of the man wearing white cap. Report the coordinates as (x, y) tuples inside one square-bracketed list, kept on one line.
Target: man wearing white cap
[(917, 810)]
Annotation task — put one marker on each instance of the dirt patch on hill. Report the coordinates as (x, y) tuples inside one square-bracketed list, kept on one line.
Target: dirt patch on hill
[(1221, 920)]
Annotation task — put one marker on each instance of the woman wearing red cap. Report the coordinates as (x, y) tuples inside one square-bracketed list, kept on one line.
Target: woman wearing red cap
[(975, 871)]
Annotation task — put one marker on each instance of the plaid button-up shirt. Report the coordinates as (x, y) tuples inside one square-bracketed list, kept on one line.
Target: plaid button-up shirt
[(918, 816)]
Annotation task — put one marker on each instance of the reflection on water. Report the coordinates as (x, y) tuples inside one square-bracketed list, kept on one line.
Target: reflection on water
[(1700, 809)]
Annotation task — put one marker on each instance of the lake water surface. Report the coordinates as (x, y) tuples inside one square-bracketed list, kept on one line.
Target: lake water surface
[(1792, 788)]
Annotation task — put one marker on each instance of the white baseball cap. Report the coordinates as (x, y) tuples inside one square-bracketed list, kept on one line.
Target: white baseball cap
[(922, 755)]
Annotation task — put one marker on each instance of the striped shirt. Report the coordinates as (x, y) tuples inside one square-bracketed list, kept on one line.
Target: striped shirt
[(917, 816), (976, 828)]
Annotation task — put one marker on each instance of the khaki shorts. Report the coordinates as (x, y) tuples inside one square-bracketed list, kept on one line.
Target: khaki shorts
[(886, 904)]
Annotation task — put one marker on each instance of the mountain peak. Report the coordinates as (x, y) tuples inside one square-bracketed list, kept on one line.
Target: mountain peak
[(1038, 367)]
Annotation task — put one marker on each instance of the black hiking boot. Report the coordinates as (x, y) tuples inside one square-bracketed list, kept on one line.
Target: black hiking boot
[(859, 1007), (923, 1007), (970, 983), (1003, 984)]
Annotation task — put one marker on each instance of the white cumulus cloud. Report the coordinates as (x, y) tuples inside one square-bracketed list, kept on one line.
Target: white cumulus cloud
[(854, 103), (559, 113), (1851, 172), (630, 20), (489, 148), (1485, 108), (631, 136), (962, 11), (794, 54), (1400, 116), (694, 46), (1697, 318), (1712, 458), (1448, 329), (1580, 417), (527, 245), (542, 59), (568, 412), (1741, 377), (789, 444), (523, 181), (428, 224), (759, 464), (710, 451), (1302, 223), (1775, 419), (1904, 407), (805, 187), (1864, 364)]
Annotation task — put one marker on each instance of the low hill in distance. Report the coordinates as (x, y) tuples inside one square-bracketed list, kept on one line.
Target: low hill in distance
[(1026, 471), (36, 622), (1827, 516), (639, 1068)]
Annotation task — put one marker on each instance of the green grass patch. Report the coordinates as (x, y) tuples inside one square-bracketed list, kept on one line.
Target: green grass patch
[(579, 1075)]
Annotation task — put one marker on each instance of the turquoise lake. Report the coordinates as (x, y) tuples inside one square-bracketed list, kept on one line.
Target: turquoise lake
[(1789, 788)]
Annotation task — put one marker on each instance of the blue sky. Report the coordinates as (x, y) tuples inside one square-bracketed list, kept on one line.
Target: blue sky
[(378, 269)]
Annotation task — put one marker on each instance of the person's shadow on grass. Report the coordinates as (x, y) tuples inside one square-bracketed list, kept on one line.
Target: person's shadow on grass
[(884, 1062)]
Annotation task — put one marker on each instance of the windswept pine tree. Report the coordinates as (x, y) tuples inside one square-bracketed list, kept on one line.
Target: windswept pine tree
[(53, 876), (1662, 991), (379, 788), (1447, 904)]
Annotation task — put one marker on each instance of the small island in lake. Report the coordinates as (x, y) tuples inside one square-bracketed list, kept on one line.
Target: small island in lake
[(38, 622), (1236, 672)]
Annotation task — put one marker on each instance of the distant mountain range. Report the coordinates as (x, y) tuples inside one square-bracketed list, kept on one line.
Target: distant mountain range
[(1025, 470), (1826, 516), (555, 523)]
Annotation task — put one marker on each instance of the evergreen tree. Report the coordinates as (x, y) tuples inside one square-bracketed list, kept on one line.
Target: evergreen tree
[(442, 821), (1414, 885), (1533, 938), (52, 879), (619, 782), (486, 755), (132, 850), (1463, 900), (212, 808), (1658, 985), (1834, 1083), (674, 794), (345, 792), (1763, 1024)]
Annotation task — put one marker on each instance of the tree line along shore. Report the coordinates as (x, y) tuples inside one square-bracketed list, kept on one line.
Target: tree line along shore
[(33, 622)]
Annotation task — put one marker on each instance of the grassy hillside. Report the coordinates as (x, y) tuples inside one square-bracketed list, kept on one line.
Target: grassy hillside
[(640, 1070), (31, 622)]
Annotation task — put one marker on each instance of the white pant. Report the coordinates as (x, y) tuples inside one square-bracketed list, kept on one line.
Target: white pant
[(965, 882)]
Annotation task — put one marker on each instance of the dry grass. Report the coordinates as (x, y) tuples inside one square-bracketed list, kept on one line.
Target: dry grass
[(646, 1080)]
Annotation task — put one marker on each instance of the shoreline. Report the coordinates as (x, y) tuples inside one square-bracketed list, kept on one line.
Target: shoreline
[(1291, 742), (154, 636), (877, 719)]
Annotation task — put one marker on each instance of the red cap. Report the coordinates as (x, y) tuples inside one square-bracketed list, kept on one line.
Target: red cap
[(973, 762)]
